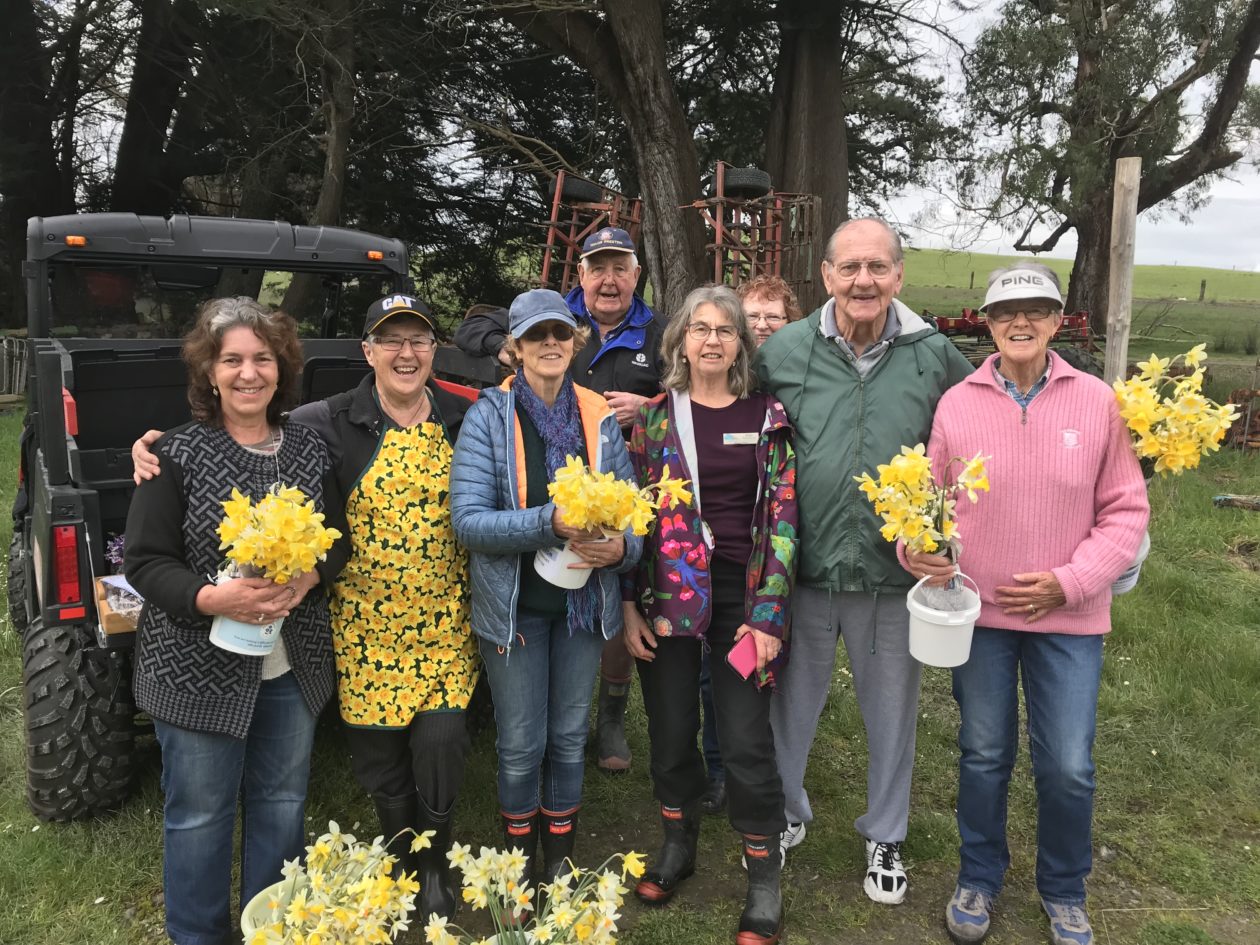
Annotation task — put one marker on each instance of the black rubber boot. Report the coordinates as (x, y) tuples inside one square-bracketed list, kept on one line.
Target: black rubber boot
[(556, 834), (522, 833), (398, 819), (677, 859), (612, 751), (762, 919), (436, 892), (714, 800)]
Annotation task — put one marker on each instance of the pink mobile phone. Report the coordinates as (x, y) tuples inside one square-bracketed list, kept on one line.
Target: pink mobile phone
[(743, 656)]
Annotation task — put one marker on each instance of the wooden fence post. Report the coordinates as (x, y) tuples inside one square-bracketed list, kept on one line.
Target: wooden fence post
[(1120, 291)]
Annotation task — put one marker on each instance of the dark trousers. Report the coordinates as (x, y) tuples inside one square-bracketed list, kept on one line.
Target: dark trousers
[(427, 756), (671, 685)]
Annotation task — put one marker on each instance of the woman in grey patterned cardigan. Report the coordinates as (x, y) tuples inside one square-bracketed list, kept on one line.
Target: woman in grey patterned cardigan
[(229, 725)]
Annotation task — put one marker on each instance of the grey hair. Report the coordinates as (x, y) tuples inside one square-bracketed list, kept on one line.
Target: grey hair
[(894, 238), (634, 259), (1040, 268), (676, 374)]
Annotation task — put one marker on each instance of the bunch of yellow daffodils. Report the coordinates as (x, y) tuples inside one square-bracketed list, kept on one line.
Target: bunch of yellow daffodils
[(593, 500), (1174, 429), (914, 508), (279, 537), (580, 906), (344, 895)]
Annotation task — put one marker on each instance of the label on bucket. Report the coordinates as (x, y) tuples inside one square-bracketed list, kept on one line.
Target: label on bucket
[(246, 638)]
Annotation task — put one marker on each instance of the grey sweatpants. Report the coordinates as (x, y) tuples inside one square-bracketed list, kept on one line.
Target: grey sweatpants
[(886, 679)]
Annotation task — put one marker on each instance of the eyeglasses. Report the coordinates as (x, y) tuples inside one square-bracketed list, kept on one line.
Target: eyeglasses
[(557, 330), (700, 331), (1032, 314), (849, 269), (755, 317), (394, 343)]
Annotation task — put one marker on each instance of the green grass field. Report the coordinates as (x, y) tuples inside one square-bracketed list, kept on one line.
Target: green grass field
[(1177, 838), (964, 270)]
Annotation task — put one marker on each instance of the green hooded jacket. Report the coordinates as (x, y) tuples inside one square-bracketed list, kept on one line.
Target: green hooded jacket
[(846, 425)]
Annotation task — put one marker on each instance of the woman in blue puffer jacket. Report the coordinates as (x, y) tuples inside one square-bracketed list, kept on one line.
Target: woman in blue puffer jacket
[(541, 644)]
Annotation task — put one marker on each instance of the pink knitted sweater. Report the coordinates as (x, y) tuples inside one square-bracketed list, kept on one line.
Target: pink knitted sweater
[(1067, 492)]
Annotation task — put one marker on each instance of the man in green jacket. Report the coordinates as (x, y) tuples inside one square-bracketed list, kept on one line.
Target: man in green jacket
[(860, 378)]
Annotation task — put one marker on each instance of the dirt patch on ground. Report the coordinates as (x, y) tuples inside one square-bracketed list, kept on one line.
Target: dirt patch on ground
[(1244, 554)]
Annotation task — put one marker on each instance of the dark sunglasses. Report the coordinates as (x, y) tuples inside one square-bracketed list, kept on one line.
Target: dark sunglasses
[(557, 330)]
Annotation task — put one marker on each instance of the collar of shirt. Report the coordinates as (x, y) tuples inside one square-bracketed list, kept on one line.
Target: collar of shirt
[(1013, 389), (827, 327)]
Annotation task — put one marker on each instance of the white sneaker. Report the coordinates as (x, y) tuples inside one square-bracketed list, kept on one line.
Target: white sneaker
[(791, 837), (885, 876)]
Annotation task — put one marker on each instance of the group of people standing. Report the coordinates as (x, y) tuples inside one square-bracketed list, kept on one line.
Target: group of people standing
[(731, 608)]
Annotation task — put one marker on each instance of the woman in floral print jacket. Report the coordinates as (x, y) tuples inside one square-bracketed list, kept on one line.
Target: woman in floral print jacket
[(712, 574)]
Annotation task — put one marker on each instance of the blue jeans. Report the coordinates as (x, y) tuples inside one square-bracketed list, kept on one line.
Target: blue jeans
[(203, 775), (542, 698), (1060, 675)]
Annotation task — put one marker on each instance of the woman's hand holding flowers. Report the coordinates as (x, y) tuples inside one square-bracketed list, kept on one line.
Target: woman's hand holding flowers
[(1040, 594), (249, 600), (639, 638), (599, 553), (571, 532), (937, 568)]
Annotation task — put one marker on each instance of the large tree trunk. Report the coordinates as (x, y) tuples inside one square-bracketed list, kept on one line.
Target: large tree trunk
[(806, 144), (625, 53), (302, 300), (30, 181), (664, 150), (1091, 271), (162, 65)]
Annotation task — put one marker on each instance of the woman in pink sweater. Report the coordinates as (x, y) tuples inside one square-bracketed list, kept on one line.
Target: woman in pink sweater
[(1065, 518)]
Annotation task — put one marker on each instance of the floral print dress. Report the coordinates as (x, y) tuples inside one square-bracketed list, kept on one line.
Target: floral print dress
[(400, 609)]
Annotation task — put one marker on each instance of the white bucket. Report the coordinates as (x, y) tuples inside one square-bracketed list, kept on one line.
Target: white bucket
[(249, 639), (553, 565), (942, 637)]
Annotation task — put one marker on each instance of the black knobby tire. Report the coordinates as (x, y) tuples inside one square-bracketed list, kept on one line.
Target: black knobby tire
[(80, 724), (1081, 360), (746, 182), (576, 190), (17, 587)]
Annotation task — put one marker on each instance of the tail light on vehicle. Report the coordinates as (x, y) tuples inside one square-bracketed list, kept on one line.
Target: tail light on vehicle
[(66, 563)]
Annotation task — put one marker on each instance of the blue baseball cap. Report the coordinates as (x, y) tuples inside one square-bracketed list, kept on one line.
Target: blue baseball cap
[(610, 239), (538, 305)]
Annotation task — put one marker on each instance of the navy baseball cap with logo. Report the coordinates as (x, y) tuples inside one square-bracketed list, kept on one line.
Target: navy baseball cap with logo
[(610, 239), (392, 305)]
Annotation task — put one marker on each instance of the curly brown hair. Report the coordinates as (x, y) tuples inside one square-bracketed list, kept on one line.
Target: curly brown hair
[(202, 345), (772, 289)]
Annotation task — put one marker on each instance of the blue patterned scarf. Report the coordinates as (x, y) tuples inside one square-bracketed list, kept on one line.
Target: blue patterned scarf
[(560, 427)]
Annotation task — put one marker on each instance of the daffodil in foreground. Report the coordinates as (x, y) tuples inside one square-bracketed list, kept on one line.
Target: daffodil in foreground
[(580, 906), (345, 892), (1171, 422), (279, 537), (594, 501), (915, 509)]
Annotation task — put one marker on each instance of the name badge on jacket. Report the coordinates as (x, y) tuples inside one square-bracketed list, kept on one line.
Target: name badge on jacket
[(739, 439)]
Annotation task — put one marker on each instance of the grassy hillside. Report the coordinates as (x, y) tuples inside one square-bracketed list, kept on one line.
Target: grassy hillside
[(948, 269)]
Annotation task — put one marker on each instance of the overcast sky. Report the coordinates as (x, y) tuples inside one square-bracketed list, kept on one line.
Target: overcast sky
[(1225, 234)]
